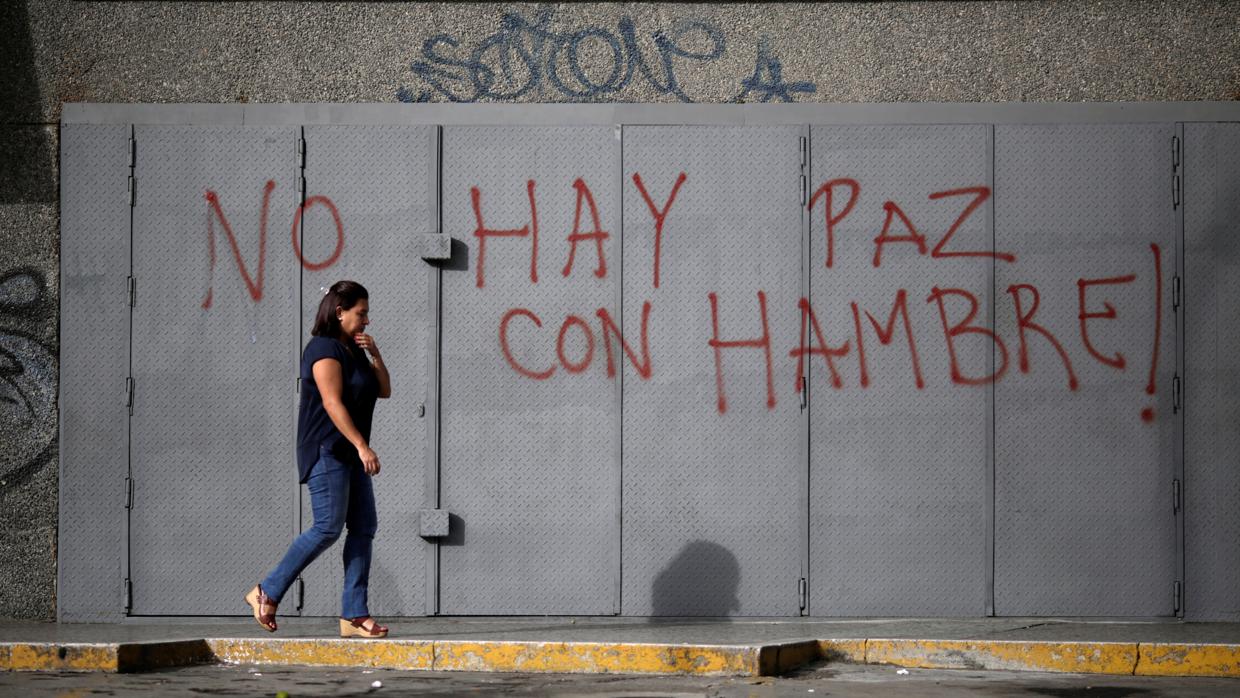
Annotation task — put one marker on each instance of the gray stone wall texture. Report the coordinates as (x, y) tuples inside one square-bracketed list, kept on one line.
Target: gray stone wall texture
[(56, 51)]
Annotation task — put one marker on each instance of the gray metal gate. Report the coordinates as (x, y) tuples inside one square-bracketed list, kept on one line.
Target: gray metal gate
[(1085, 514), (371, 195), (1211, 172), (530, 458), (214, 350), (899, 443), (94, 365), (714, 475), (601, 384)]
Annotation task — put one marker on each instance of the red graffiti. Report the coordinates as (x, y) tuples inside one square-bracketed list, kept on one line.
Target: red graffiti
[(892, 210), (335, 255), (254, 284), (660, 216), (825, 191), (570, 321), (763, 342), (503, 343), (1024, 321), (964, 327), (482, 233), (824, 350), (643, 366), (607, 329), (883, 238), (1082, 285), (1151, 386), (957, 308), (886, 335), (598, 235), (980, 194)]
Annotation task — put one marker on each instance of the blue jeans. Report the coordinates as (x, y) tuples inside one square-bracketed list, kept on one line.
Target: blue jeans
[(341, 495)]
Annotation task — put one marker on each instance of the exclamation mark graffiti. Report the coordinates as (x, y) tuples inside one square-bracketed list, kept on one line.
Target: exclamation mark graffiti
[(1151, 386)]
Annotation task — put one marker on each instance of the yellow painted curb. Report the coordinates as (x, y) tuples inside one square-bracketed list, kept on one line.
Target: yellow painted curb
[(1194, 659), (113, 658), (784, 657), (1016, 655), (595, 657), (849, 651), (1123, 658), (385, 654), (31, 656), (143, 656)]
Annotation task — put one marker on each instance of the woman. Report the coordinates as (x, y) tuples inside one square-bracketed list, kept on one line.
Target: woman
[(339, 386)]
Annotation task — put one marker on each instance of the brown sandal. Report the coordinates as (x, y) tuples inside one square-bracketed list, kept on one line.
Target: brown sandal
[(258, 600), (356, 627)]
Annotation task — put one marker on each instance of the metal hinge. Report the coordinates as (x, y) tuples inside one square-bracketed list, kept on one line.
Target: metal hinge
[(132, 194), (301, 152), (804, 393), (1178, 600), (128, 592), (129, 493), (803, 185), (301, 593), (132, 290), (1175, 394), (129, 392), (301, 186), (802, 593), (133, 151), (297, 387), (1175, 172), (1175, 292), (1176, 501), (804, 151)]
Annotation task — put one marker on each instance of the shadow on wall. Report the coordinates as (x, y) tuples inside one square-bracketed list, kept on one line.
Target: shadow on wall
[(26, 152), (701, 580)]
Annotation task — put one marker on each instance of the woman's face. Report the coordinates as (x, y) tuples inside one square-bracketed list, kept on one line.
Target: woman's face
[(355, 319)]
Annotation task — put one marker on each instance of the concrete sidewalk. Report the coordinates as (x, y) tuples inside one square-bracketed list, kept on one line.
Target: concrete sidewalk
[(689, 646)]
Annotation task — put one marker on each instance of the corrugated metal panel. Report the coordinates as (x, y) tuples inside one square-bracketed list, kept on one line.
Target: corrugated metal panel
[(1212, 370), (381, 181), (528, 466), (712, 501), (899, 457), (1083, 503), (212, 462), (94, 363), (1082, 506)]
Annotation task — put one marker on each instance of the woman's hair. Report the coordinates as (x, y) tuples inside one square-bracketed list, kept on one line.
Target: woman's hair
[(344, 294)]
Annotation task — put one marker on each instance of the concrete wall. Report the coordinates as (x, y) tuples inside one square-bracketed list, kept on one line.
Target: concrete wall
[(62, 51)]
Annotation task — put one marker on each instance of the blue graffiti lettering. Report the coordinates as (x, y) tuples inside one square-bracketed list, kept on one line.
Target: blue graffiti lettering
[(526, 56), (767, 81)]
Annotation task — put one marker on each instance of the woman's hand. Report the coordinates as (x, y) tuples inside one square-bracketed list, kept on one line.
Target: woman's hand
[(370, 461), (367, 342)]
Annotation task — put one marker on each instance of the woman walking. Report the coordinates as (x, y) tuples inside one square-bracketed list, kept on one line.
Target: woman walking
[(339, 386)]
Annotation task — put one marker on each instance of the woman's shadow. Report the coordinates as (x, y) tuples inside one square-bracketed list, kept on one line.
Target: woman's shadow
[(701, 580)]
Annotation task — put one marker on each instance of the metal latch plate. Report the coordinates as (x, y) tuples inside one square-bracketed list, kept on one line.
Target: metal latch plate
[(432, 246), (433, 523)]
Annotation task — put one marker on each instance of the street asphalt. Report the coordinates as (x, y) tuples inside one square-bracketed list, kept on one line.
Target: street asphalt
[(822, 679)]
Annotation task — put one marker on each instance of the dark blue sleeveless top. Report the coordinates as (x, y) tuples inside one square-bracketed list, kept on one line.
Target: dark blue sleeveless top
[(361, 390)]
